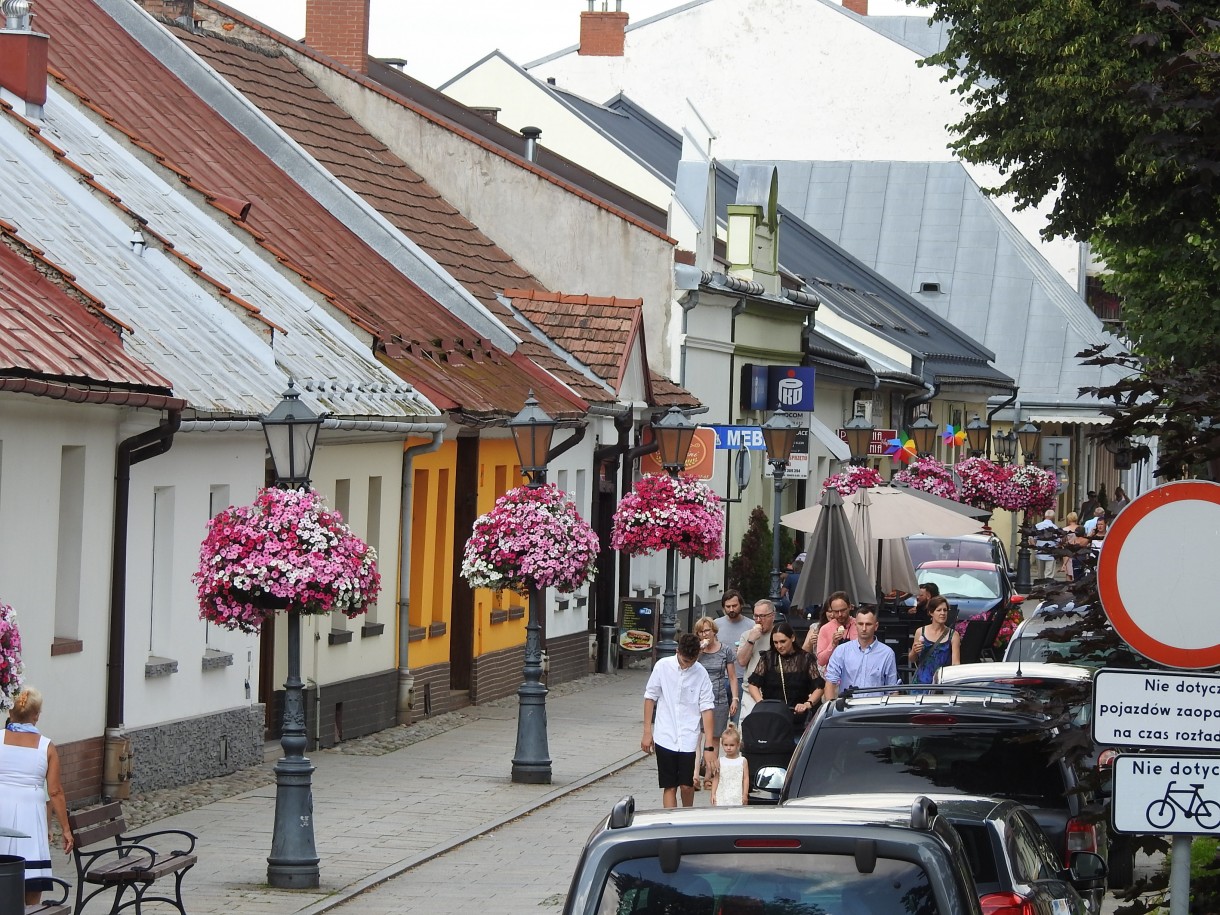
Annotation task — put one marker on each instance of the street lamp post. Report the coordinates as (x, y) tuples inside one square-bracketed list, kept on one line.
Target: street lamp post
[(532, 429), (779, 434), (1027, 436), (1005, 446), (923, 433), (859, 434), (674, 433), (977, 432), (292, 436)]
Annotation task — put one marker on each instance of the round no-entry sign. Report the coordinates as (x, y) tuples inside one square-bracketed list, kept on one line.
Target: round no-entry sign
[(1157, 574)]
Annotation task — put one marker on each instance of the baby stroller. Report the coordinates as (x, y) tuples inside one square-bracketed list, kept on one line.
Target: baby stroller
[(767, 742)]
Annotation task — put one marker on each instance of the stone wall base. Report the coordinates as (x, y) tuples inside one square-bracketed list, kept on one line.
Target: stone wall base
[(189, 750), (348, 709)]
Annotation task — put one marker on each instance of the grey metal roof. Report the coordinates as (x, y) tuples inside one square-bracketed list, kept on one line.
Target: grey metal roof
[(223, 358), (928, 222), (918, 33), (853, 289)]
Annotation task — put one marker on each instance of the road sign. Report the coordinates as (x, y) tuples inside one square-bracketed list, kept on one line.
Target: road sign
[(1154, 708), (1178, 795), (1157, 574)]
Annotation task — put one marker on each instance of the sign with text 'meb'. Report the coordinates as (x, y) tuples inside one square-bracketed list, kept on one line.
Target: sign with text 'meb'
[(1156, 708), (1178, 795), (1157, 574)]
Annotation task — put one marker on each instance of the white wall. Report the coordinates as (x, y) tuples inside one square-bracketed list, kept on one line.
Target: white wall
[(782, 80)]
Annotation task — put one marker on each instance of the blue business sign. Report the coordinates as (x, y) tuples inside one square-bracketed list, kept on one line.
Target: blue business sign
[(790, 387), (734, 438)]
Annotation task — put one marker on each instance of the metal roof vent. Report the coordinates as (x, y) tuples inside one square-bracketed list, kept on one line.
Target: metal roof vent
[(531, 135), (138, 243), (16, 15)]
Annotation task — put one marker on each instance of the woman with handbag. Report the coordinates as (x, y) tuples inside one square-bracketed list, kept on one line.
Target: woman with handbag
[(935, 645), (788, 673)]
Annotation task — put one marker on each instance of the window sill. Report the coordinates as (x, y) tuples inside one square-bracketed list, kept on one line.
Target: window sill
[(339, 637), (368, 630), (159, 667), (66, 646), (217, 660)]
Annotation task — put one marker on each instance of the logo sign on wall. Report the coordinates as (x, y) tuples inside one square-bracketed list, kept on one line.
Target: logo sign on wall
[(790, 387)]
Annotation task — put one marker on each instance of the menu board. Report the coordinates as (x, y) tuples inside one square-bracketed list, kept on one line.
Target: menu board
[(638, 618)]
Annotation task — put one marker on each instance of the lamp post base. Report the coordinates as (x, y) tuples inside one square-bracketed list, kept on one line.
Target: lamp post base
[(1024, 583), (532, 758)]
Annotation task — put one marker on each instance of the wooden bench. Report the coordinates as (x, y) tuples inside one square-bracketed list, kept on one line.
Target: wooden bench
[(130, 863), (56, 907)]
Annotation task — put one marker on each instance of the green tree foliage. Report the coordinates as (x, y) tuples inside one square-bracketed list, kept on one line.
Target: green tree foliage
[(749, 571), (1112, 107)]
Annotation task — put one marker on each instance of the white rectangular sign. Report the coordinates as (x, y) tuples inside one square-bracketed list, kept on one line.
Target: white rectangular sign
[(1178, 795), (1155, 708)]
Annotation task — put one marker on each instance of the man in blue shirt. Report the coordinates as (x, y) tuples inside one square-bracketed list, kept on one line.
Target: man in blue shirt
[(861, 662)]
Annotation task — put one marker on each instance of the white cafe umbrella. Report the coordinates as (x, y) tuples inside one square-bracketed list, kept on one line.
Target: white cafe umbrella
[(892, 513)]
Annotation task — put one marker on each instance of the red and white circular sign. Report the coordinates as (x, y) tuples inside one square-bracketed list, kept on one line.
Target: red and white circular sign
[(1157, 574)]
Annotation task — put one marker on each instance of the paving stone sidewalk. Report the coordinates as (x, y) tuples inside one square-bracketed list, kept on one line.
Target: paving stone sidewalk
[(390, 801)]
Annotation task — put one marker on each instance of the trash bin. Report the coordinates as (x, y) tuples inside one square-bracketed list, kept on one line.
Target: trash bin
[(12, 883), (607, 655)]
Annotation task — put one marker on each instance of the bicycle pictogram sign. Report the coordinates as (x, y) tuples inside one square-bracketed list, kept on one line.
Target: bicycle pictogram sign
[(1162, 812), (1178, 795)]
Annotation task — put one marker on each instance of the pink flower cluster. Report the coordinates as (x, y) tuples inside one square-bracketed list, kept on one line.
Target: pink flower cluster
[(851, 479), (662, 512), (927, 474), (531, 537), (285, 550), (12, 672), (985, 484)]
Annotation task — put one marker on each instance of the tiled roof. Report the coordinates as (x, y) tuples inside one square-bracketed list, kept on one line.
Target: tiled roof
[(45, 332), (368, 167), (434, 350)]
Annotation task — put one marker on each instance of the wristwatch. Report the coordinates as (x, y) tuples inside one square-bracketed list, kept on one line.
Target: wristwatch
[(751, 641), (709, 749)]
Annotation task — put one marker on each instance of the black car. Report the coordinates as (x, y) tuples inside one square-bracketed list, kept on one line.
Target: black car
[(989, 741), (1016, 870), (845, 859)]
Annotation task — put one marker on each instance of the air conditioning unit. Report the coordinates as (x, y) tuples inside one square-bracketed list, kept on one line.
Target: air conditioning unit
[(863, 408)]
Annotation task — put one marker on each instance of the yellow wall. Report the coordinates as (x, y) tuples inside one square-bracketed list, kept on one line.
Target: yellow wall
[(498, 473)]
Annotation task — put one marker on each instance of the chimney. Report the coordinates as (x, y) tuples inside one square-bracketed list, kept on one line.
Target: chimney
[(859, 7), (339, 29), (23, 57), (603, 33), (531, 135)]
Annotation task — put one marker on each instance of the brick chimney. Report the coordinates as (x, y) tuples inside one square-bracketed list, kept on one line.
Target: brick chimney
[(23, 56), (859, 7), (603, 33), (339, 29)]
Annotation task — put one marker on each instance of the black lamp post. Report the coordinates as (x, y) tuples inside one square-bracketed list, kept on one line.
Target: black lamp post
[(779, 434), (674, 433), (292, 436), (532, 429), (1005, 446), (923, 433), (977, 433), (859, 433), (1027, 436)]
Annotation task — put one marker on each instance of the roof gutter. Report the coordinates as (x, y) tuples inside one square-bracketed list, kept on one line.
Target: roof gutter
[(990, 413), (113, 397), (397, 427)]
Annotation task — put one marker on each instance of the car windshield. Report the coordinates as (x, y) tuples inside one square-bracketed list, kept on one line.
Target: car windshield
[(925, 549), (774, 883), (981, 584), (1045, 640), (1015, 763)]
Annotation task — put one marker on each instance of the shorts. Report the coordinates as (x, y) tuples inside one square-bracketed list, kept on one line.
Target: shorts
[(674, 769)]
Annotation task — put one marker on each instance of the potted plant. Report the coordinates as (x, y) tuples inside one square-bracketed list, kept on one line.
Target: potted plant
[(663, 512), (532, 538), (12, 672), (286, 551), (929, 475)]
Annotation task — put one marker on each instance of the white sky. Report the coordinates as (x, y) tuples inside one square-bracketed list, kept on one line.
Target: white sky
[(440, 38)]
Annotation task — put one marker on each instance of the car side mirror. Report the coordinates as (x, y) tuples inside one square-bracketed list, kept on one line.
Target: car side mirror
[(1087, 870)]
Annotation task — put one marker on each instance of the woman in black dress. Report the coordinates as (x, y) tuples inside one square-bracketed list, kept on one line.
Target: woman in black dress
[(788, 673)]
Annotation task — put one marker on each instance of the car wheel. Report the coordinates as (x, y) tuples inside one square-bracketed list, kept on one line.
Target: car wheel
[(1120, 865)]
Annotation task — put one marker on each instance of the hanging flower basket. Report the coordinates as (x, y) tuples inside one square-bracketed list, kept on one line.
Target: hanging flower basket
[(533, 537), (985, 484), (284, 552), (12, 672), (929, 475), (851, 479), (980, 482), (662, 512)]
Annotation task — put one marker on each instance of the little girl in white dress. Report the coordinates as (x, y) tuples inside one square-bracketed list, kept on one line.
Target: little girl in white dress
[(731, 785)]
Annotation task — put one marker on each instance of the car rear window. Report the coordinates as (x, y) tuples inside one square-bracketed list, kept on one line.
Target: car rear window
[(775, 883), (978, 584), (1009, 762)]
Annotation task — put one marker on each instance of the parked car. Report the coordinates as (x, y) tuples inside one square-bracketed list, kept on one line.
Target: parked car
[(991, 740), (971, 547), (1070, 635), (845, 858), (1015, 869), (975, 588)]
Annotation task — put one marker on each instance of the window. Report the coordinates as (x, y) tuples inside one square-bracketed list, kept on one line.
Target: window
[(160, 609), (343, 500), (70, 542), (372, 536)]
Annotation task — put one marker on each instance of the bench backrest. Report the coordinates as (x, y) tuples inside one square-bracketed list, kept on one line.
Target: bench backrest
[(92, 826)]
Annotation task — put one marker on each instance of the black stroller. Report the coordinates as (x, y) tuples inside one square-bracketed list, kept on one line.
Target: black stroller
[(767, 741)]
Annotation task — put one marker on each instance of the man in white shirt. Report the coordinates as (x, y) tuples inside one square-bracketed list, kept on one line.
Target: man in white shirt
[(861, 662), (1046, 542), (677, 707), (1091, 525)]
